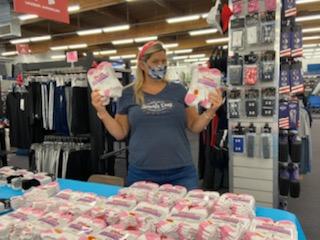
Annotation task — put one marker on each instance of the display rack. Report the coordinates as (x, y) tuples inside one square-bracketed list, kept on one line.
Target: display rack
[(256, 175)]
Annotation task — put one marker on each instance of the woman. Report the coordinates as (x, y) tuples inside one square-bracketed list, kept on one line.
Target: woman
[(154, 112)]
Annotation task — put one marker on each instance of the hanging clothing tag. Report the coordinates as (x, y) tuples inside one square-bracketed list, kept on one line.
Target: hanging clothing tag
[(22, 107)]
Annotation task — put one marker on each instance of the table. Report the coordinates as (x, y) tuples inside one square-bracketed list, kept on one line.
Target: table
[(108, 190)]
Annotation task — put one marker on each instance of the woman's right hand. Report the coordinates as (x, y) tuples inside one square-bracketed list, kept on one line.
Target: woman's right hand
[(97, 101)]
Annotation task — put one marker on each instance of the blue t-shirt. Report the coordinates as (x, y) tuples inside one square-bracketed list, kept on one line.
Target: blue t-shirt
[(158, 137)]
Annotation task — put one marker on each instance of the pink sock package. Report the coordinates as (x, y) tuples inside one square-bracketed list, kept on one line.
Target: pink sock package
[(104, 79), (204, 81)]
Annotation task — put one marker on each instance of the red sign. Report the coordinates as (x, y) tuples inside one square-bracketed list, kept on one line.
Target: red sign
[(56, 10), (23, 49), (72, 57)]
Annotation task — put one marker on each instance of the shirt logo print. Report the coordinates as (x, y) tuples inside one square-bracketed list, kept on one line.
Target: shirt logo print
[(157, 107)]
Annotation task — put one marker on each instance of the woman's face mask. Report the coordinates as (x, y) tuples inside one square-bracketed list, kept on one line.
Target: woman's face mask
[(158, 72)]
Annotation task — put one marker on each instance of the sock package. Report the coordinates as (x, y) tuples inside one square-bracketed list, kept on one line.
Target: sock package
[(268, 101), (252, 102), (268, 27), (234, 104), (238, 33), (235, 70), (251, 69), (253, 29), (266, 142), (104, 79), (204, 81)]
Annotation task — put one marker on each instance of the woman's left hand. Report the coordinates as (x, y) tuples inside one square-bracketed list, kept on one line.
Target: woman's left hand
[(215, 98)]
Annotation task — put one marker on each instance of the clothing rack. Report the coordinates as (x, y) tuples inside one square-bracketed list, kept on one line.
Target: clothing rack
[(67, 139)]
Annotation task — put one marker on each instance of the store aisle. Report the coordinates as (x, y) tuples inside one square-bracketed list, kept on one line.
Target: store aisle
[(307, 207)]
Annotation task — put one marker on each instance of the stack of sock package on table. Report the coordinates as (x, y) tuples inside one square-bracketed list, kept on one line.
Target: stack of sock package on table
[(142, 211)]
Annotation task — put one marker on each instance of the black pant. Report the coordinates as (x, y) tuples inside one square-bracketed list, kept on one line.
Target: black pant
[(80, 111)]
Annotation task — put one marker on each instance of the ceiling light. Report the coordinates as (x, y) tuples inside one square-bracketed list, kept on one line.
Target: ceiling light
[(191, 60), (180, 57), (20, 40), (89, 32), (203, 32), (84, 54), (311, 38), (115, 58), (116, 28), (183, 51), (197, 56), (40, 38), (96, 53), (73, 8), (169, 52), (308, 18), (134, 61), (77, 46), (26, 17), (58, 48), (128, 56), (11, 53), (124, 41), (183, 19), (203, 59), (306, 1), (310, 30), (217, 40), (171, 45), (58, 56), (225, 46), (205, 15), (309, 45), (145, 39), (108, 52)]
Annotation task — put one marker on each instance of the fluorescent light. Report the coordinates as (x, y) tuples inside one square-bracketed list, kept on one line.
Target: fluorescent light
[(58, 56), (183, 19), (96, 53), (204, 15), (40, 38), (84, 54), (306, 1), (59, 48), (20, 40), (169, 52), (191, 60), (171, 45), (124, 41), (145, 39), (134, 61), (217, 40), (77, 46), (197, 56), (183, 51), (311, 38), (311, 30), (11, 53), (108, 52), (26, 17), (116, 28), (73, 8), (203, 59), (89, 32), (180, 57), (225, 46), (308, 18), (123, 57), (309, 45), (203, 32)]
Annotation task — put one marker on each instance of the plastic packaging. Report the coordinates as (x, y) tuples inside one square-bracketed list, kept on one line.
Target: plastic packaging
[(234, 104), (253, 29), (237, 33), (267, 66), (252, 102), (235, 70), (238, 140), (268, 102), (266, 142), (251, 69)]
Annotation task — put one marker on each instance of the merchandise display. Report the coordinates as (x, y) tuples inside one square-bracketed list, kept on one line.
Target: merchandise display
[(47, 213)]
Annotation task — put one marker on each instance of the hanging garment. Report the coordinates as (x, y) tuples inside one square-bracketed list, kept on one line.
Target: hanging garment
[(51, 105), (45, 105), (60, 112), (77, 165), (20, 114), (80, 111), (68, 92)]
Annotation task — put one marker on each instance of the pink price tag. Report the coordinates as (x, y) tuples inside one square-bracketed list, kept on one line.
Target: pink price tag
[(72, 57)]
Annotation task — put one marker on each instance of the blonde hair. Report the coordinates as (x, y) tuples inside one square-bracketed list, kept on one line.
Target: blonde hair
[(140, 77)]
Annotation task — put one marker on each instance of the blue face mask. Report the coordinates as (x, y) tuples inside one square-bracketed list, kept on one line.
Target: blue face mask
[(158, 72)]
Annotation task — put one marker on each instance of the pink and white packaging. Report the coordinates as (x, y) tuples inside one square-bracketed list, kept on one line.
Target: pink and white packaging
[(83, 226), (104, 79), (185, 205), (121, 203), (24, 231), (5, 228), (151, 210), (203, 198), (32, 213), (210, 230), (86, 201), (58, 234), (143, 185), (174, 190), (254, 236), (284, 230), (207, 231), (112, 233), (237, 204), (204, 81), (194, 216), (153, 236), (51, 188)]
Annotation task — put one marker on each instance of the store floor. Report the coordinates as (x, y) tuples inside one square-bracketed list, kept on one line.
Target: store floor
[(307, 207)]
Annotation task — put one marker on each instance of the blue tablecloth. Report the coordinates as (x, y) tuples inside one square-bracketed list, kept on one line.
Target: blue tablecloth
[(107, 191)]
